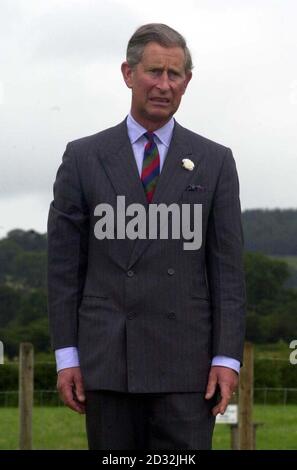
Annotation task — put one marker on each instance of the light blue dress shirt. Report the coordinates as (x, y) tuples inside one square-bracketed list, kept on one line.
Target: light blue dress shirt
[(68, 357)]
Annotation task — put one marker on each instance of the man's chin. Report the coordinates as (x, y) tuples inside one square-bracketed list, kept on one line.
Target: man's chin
[(159, 115)]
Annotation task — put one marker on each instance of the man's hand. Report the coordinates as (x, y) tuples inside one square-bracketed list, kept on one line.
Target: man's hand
[(227, 380), (71, 389)]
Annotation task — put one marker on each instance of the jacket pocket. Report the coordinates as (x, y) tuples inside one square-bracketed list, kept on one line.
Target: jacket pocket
[(194, 197)]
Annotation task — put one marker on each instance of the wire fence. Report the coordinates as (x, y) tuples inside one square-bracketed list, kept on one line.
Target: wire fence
[(271, 396), (41, 398), (262, 396)]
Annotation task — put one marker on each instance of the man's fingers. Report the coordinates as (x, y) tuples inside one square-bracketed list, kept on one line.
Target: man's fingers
[(67, 396), (211, 386), (70, 387), (226, 394), (220, 407), (75, 406), (79, 390)]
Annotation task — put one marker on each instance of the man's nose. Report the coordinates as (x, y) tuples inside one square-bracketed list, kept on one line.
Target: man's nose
[(163, 82)]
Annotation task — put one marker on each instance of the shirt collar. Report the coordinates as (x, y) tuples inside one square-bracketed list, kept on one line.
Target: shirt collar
[(135, 131)]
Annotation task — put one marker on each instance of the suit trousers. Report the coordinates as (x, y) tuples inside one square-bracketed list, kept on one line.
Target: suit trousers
[(131, 421)]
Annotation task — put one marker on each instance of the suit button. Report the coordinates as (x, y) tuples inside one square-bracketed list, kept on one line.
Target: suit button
[(170, 271), (130, 273), (131, 315), (171, 315)]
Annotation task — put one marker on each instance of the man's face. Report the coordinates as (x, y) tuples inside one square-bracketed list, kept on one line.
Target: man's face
[(158, 83)]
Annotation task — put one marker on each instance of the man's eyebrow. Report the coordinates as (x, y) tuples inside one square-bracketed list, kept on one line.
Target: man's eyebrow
[(161, 67), (154, 66)]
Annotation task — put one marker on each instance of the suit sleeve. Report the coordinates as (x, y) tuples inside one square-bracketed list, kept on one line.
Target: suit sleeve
[(224, 258), (68, 223)]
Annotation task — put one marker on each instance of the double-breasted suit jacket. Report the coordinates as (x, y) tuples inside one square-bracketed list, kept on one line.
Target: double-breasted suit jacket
[(146, 315)]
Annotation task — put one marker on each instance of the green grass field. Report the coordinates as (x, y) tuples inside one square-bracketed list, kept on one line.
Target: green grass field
[(59, 428), (278, 432)]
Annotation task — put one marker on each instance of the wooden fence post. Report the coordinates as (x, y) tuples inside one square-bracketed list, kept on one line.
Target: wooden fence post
[(1, 353), (25, 395), (246, 398)]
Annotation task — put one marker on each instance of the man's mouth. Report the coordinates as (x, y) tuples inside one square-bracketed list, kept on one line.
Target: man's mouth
[(159, 100)]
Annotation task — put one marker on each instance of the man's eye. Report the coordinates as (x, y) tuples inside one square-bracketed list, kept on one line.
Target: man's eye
[(172, 75)]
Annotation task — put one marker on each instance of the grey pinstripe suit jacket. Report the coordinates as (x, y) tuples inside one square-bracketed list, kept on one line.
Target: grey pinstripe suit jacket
[(146, 315)]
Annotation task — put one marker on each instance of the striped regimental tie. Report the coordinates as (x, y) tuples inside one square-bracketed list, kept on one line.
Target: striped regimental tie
[(150, 167)]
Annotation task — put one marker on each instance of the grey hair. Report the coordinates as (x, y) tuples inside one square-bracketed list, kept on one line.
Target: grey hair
[(161, 34)]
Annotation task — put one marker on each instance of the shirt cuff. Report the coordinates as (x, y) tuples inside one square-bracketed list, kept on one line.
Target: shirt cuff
[(225, 361), (66, 357)]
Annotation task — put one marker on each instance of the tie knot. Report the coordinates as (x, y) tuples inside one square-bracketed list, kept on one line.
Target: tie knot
[(149, 136)]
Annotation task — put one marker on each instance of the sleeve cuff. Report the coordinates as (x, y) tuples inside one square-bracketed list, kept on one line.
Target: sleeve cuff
[(66, 357), (225, 361)]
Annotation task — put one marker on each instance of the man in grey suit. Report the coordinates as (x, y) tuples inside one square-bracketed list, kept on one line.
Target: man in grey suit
[(148, 333)]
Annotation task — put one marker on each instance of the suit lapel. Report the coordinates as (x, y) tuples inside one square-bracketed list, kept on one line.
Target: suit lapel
[(119, 163), (172, 181), (117, 158)]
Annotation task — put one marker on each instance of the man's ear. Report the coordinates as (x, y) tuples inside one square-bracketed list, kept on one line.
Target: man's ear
[(127, 74), (187, 79)]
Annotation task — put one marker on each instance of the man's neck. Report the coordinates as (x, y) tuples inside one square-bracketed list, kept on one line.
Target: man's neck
[(150, 126)]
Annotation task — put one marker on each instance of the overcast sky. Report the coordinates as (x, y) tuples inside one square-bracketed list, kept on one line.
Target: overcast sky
[(60, 79)]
